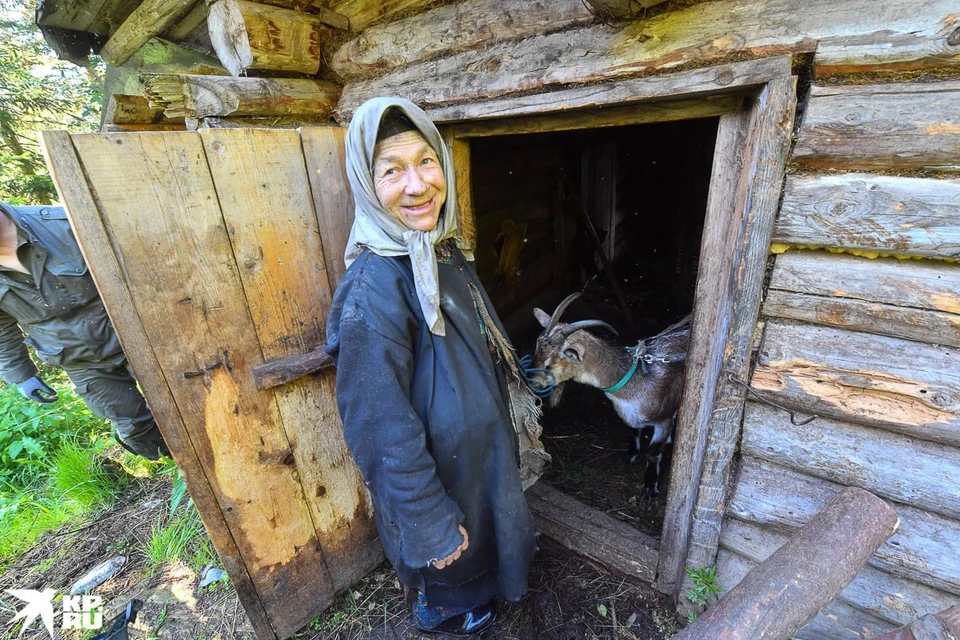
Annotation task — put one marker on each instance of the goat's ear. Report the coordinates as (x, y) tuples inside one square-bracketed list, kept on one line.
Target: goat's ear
[(572, 354), (541, 317)]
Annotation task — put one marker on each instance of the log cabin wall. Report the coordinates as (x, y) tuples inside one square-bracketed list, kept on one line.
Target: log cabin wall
[(868, 342)]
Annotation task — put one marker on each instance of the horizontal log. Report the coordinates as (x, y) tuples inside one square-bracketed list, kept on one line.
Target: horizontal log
[(905, 216), (124, 109), (315, 8), (277, 372), (895, 384), (102, 17), (363, 13), (944, 625), (836, 621), (276, 122), (158, 56), (247, 35), (593, 533), (456, 27), (619, 9), (123, 128), (789, 587), (195, 96), (926, 548), (898, 298), (889, 126), (149, 19), (694, 82), (698, 35), (869, 591), (914, 472)]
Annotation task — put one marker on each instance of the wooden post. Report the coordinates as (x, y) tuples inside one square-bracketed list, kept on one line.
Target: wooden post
[(148, 20), (787, 590)]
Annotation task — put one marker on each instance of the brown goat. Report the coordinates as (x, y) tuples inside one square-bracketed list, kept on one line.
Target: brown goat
[(647, 402)]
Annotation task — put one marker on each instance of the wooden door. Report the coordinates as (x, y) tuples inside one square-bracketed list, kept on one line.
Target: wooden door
[(215, 252)]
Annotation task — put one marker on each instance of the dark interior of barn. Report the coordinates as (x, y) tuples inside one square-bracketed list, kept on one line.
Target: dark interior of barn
[(618, 214)]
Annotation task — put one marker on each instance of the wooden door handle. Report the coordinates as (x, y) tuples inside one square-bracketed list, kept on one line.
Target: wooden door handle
[(282, 370)]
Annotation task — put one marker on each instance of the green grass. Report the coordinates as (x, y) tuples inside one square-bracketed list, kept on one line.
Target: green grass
[(181, 537)]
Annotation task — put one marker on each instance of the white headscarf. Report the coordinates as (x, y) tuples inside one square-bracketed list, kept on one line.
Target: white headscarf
[(375, 228)]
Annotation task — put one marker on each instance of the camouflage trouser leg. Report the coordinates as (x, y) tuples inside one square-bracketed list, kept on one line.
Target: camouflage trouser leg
[(113, 394)]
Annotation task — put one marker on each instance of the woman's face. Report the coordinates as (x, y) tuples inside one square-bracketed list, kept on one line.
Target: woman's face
[(409, 180)]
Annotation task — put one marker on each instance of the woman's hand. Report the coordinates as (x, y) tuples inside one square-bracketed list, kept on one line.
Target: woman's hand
[(440, 564)]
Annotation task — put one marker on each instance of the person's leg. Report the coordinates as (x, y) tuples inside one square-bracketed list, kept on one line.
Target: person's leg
[(113, 394)]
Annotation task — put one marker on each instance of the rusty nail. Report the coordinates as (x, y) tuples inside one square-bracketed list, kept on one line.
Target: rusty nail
[(226, 360), (192, 374), (211, 367)]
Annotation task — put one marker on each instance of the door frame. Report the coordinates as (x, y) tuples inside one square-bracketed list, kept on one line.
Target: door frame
[(755, 102)]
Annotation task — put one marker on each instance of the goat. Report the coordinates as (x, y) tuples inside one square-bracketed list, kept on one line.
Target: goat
[(646, 401)]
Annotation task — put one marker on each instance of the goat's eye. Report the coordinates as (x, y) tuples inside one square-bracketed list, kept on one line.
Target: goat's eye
[(570, 354)]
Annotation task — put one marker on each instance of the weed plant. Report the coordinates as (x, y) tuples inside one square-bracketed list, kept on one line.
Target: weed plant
[(181, 536)]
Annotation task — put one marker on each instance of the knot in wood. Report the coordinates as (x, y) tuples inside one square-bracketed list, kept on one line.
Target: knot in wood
[(954, 38)]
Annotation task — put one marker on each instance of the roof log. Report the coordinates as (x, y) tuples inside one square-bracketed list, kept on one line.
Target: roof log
[(150, 19)]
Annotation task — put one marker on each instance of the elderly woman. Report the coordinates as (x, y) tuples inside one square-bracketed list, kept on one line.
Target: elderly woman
[(426, 383)]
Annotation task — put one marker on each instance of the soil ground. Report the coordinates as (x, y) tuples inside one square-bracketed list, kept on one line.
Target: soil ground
[(570, 597)]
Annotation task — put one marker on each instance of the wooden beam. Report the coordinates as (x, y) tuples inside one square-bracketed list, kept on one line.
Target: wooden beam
[(102, 17), (926, 548), (689, 84), (620, 9), (592, 533), (889, 126), (149, 19), (887, 383), (944, 625), (661, 111), (94, 239), (897, 298), (247, 35), (863, 212), (702, 34), (363, 13), (783, 593), (316, 8), (124, 109), (195, 96), (288, 368), (464, 25)]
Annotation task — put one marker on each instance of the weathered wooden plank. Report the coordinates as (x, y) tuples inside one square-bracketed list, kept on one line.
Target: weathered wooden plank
[(592, 533), (690, 83), (897, 467), (98, 252), (363, 13), (196, 96), (285, 285), (661, 111), (944, 625), (455, 27), (179, 267), (460, 152), (899, 126), (886, 596), (699, 34), (905, 216), (711, 325), (836, 621), (769, 143), (895, 384), (324, 150), (149, 19), (247, 35), (898, 298), (926, 548)]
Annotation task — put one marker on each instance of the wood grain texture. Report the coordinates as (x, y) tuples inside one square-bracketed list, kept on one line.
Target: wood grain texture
[(903, 126), (694, 82), (926, 548), (363, 13), (100, 256), (454, 27), (768, 143), (281, 268), (195, 96), (894, 384), (891, 598), (157, 56), (592, 533), (891, 465), (247, 35), (324, 151), (149, 19), (619, 9), (943, 626), (99, 16), (803, 574), (185, 287), (836, 621), (125, 109), (912, 32), (898, 298), (466, 217), (905, 216)]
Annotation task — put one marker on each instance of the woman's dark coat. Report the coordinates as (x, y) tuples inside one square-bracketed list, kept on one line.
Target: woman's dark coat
[(426, 419)]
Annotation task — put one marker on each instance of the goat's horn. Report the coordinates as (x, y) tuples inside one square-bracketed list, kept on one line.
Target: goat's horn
[(584, 324), (555, 318)]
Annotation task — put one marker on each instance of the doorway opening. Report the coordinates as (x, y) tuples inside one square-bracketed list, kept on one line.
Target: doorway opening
[(616, 213)]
